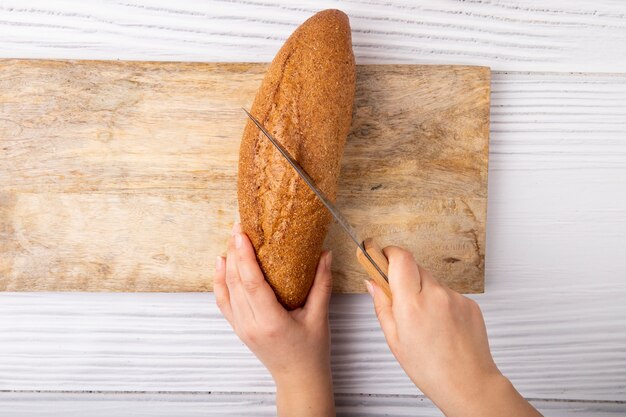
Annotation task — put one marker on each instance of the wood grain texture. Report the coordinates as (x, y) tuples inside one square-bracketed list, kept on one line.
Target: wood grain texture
[(554, 304), (121, 176), (379, 269), (531, 35), (556, 226), (25, 404), (563, 344)]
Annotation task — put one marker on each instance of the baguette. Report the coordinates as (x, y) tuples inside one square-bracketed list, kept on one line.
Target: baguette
[(305, 101)]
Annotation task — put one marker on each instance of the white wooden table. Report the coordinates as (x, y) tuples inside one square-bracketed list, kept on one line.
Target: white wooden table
[(555, 301)]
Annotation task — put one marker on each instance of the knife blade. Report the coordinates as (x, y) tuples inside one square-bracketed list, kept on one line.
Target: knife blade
[(339, 217)]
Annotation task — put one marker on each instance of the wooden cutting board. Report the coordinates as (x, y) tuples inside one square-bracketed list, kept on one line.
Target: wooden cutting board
[(121, 176)]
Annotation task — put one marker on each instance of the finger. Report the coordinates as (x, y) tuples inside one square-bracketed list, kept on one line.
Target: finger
[(259, 294), (319, 296), (384, 312), (220, 290), (427, 279), (238, 300), (404, 275)]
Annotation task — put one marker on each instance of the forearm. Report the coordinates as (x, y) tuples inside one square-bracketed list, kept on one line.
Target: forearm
[(306, 395), (492, 398)]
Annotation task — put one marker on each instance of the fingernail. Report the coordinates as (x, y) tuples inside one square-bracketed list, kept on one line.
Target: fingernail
[(370, 288), (238, 240), (219, 263), (329, 259), (236, 228)]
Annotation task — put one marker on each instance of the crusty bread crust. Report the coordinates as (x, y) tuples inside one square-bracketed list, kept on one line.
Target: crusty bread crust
[(305, 100)]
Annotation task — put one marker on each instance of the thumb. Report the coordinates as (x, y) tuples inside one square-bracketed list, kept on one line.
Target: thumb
[(382, 307), (319, 295)]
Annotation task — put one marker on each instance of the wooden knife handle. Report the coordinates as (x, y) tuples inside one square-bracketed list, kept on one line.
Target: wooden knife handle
[(376, 253)]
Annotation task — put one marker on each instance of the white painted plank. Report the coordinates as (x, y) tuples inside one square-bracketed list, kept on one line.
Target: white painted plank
[(554, 35), (136, 405), (557, 220), (567, 344), (557, 182), (230, 404), (555, 281)]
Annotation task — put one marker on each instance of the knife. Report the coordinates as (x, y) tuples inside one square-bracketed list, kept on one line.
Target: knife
[(369, 253)]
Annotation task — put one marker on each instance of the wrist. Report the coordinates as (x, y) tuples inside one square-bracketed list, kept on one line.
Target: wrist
[(489, 395), (305, 393), (301, 378)]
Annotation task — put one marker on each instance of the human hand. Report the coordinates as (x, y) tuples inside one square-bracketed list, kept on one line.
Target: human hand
[(439, 338), (293, 345)]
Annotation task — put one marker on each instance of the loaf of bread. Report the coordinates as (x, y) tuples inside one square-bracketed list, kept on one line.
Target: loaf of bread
[(305, 101)]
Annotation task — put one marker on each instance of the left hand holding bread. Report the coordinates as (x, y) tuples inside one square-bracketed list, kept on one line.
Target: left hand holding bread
[(293, 345)]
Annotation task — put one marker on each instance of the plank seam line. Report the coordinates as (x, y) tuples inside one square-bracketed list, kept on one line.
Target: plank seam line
[(493, 72), (259, 393), (512, 72)]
